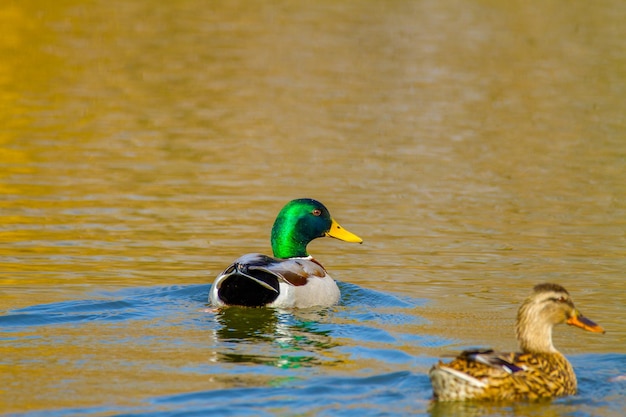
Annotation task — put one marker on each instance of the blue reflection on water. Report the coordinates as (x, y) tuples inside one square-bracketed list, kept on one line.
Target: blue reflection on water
[(290, 347)]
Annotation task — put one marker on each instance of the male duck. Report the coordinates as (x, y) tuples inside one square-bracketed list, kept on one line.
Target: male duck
[(292, 278), (539, 371)]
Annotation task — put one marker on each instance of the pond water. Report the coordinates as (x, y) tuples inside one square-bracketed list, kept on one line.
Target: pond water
[(478, 148)]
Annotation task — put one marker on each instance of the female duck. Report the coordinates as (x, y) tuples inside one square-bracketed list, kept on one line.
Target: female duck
[(538, 371), (292, 278)]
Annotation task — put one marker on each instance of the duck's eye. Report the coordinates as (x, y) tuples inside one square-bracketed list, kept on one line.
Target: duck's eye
[(317, 212), (561, 299)]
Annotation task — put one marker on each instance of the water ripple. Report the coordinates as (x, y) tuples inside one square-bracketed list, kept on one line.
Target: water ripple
[(267, 361)]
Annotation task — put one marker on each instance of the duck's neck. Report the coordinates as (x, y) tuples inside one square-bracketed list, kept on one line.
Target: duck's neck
[(286, 243), (533, 334)]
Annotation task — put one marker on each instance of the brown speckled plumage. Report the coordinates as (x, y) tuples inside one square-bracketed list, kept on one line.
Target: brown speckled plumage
[(539, 371)]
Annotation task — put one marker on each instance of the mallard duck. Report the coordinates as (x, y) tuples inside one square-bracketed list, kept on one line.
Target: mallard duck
[(291, 278), (538, 371)]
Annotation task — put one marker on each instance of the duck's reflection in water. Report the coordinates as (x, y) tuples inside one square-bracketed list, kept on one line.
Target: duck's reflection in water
[(286, 339)]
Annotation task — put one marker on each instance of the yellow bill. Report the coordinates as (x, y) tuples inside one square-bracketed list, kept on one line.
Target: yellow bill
[(340, 233)]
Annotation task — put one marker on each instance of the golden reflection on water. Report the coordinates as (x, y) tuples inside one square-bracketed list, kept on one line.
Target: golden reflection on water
[(478, 147)]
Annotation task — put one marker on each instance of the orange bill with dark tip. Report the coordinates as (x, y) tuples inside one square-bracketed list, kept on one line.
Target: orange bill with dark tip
[(579, 320)]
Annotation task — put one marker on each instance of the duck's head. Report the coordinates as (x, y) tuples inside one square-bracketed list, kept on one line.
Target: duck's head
[(547, 306), (301, 221)]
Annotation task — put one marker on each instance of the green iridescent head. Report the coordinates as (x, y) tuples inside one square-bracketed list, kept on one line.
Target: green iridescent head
[(301, 221)]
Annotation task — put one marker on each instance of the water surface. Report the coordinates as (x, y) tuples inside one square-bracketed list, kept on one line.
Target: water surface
[(477, 147)]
